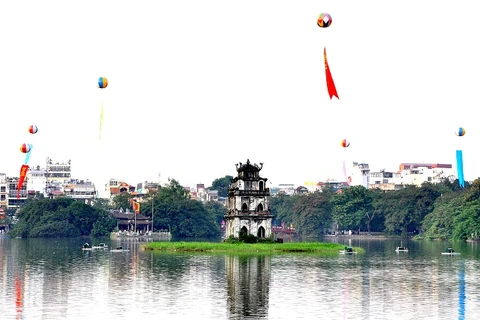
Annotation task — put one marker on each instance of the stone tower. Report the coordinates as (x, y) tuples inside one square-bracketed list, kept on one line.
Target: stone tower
[(248, 203)]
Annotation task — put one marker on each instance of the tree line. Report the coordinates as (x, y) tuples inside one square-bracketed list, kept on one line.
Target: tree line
[(431, 211)]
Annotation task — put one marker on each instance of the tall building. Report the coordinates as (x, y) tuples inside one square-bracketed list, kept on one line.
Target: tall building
[(248, 207), (58, 171), (360, 174)]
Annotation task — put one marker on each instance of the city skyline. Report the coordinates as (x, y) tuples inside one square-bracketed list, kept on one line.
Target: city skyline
[(195, 88)]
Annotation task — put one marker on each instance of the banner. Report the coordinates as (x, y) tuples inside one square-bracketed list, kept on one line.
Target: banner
[(23, 174), (136, 207)]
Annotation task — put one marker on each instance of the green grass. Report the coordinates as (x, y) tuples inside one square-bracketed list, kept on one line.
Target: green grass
[(308, 247)]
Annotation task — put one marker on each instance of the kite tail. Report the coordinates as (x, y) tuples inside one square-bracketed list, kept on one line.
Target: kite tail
[(27, 156), (345, 173), (461, 180), (101, 122), (332, 90)]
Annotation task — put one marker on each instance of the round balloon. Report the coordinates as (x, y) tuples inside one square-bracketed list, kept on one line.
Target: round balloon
[(345, 143), (102, 82), (324, 20), (25, 148), (33, 129), (460, 132)]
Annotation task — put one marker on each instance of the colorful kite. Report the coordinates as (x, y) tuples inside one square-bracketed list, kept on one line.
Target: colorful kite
[(324, 20), (345, 143), (332, 91), (102, 84), (461, 180)]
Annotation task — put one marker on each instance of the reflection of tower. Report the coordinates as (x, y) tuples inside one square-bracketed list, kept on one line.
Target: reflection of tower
[(248, 283)]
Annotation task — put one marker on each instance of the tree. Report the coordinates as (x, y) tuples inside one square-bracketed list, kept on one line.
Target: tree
[(222, 185), (350, 207), (122, 201)]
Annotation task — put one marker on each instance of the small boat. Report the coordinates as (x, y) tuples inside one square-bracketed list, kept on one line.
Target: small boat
[(86, 247), (347, 250), (101, 246), (401, 249), (119, 249), (450, 252)]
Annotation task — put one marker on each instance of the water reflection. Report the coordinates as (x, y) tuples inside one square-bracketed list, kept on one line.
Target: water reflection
[(54, 278), (248, 283)]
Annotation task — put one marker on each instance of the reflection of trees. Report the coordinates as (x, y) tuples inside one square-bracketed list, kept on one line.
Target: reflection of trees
[(248, 282)]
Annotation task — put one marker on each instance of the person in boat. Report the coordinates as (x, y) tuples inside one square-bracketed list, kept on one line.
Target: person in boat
[(86, 245), (450, 250)]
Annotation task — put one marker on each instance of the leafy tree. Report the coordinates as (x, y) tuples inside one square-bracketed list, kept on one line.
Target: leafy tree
[(351, 206), (222, 185), (217, 209), (312, 214), (122, 201)]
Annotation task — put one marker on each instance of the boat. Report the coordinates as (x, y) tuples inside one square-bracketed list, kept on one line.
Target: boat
[(401, 249), (87, 247), (450, 252), (100, 246), (347, 250), (119, 249)]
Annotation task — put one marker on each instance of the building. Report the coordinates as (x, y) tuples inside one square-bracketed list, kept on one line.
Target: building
[(36, 180), (212, 195), (387, 181), (12, 189), (132, 222), (285, 188), (57, 172), (3, 191), (359, 175), (83, 190), (115, 186), (335, 185), (418, 173), (248, 207), (147, 187)]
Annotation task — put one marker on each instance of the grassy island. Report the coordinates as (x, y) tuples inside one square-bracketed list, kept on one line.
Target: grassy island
[(307, 247)]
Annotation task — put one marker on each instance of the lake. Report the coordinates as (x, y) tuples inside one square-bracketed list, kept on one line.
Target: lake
[(55, 279)]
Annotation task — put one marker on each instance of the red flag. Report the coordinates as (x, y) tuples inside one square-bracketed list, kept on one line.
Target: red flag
[(332, 91), (23, 174), (136, 207)]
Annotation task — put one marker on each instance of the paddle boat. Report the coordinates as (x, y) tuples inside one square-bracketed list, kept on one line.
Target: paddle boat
[(101, 246), (86, 247), (450, 252), (119, 249), (401, 249), (347, 250)]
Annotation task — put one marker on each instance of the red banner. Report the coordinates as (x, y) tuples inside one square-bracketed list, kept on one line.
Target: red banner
[(23, 174), (332, 91), (136, 207)]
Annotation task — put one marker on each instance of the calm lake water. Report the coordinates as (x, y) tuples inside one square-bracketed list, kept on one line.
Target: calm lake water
[(55, 279)]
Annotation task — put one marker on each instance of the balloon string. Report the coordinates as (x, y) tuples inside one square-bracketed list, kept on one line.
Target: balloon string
[(101, 122)]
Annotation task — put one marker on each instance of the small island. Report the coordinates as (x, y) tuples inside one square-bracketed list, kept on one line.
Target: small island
[(242, 247)]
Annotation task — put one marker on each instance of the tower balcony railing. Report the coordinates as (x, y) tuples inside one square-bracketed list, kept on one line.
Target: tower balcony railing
[(251, 192)]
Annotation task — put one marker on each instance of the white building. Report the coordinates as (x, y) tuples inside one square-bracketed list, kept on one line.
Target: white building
[(36, 180), (58, 172), (359, 174), (418, 173), (386, 180), (80, 190)]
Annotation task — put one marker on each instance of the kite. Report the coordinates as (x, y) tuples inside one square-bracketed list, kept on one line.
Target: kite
[(332, 91), (26, 147), (324, 20), (102, 84), (345, 143), (461, 180), (33, 129)]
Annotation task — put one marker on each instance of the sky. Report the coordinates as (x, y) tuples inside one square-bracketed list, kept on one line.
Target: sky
[(198, 86)]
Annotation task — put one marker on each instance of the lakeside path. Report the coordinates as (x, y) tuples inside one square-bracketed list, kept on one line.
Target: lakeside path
[(290, 247)]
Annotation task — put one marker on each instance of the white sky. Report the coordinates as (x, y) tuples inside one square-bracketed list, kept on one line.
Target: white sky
[(197, 86)]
